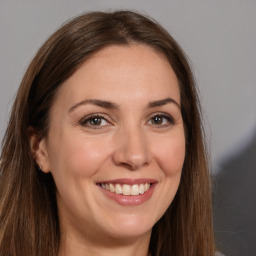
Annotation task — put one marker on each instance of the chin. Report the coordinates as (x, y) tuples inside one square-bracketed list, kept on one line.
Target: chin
[(131, 227)]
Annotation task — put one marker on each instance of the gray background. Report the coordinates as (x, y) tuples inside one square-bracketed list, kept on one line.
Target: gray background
[(220, 39)]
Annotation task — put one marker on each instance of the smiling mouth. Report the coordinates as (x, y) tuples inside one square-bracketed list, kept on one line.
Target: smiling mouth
[(126, 189)]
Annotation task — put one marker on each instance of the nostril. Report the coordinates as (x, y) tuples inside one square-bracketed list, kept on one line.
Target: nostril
[(132, 151), (128, 166), (132, 164)]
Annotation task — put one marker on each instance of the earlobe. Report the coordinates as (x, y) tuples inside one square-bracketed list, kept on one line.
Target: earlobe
[(39, 150)]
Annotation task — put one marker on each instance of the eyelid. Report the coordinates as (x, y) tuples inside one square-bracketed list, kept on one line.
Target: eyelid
[(86, 118), (169, 117)]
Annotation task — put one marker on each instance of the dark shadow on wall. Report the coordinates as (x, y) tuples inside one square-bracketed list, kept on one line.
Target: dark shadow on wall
[(234, 203)]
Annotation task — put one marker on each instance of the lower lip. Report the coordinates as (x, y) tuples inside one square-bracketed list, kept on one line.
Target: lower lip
[(130, 200)]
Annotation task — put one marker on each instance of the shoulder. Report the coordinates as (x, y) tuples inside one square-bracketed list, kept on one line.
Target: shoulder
[(218, 254)]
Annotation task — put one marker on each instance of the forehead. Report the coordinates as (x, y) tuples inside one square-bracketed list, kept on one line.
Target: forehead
[(120, 73)]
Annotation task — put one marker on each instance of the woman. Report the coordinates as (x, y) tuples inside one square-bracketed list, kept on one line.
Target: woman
[(104, 152)]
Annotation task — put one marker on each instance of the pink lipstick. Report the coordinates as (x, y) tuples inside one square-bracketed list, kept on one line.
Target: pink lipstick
[(128, 192)]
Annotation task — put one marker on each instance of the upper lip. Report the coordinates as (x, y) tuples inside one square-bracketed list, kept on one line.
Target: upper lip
[(129, 181)]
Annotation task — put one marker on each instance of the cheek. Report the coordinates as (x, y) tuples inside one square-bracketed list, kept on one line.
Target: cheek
[(78, 156), (171, 154), (74, 163)]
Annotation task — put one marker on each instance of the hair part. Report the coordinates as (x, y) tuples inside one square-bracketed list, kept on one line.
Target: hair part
[(29, 222)]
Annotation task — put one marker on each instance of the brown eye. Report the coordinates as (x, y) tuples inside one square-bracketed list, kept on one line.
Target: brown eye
[(157, 120), (161, 120), (94, 122)]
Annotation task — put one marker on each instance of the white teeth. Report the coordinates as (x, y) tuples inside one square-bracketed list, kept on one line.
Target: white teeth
[(111, 187), (119, 189), (135, 190), (141, 189), (126, 189)]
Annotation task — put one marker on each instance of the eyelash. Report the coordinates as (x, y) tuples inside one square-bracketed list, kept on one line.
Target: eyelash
[(84, 121), (169, 119)]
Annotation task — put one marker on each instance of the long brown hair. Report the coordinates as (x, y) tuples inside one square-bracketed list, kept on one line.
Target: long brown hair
[(29, 223)]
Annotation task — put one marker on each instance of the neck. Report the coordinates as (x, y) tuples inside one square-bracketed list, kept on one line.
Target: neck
[(104, 246)]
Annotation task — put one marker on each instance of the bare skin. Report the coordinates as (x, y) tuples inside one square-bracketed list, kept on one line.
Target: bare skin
[(117, 119)]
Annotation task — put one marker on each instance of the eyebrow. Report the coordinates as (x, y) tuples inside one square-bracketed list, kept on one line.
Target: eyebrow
[(159, 103), (111, 105), (100, 103)]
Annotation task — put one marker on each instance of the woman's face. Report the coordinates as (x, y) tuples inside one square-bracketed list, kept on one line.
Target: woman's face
[(116, 143)]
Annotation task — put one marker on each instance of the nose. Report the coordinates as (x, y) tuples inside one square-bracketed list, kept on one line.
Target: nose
[(132, 149)]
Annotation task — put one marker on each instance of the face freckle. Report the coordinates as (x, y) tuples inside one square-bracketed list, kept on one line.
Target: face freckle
[(116, 125)]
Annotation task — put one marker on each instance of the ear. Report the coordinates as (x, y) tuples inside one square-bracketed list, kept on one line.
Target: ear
[(38, 149)]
